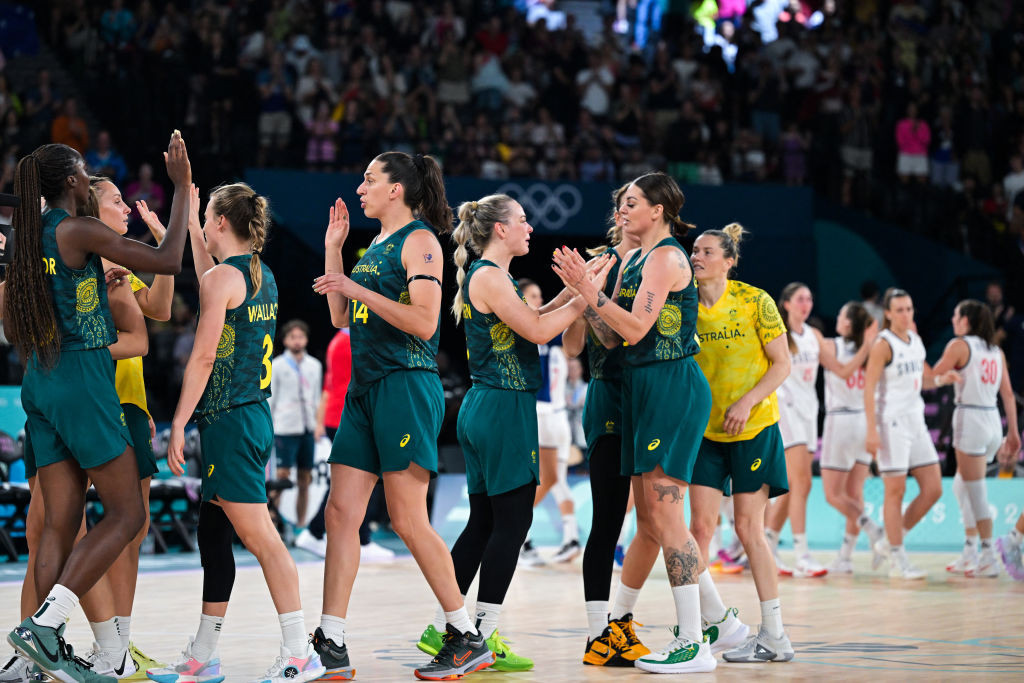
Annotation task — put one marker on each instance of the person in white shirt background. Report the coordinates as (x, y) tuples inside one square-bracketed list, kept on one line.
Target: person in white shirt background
[(296, 382)]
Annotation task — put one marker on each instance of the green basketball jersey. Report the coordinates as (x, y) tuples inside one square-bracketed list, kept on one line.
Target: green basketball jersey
[(498, 357), (241, 372), (79, 296), (379, 348), (605, 363), (674, 334)]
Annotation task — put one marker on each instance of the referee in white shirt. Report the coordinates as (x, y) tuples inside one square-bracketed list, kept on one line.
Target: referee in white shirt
[(296, 383)]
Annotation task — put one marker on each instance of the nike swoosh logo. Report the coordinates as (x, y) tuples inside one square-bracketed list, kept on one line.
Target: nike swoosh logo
[(124, 664), (53, 657), (459, 661)]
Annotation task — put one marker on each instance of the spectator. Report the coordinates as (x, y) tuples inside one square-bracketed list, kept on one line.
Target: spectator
[(870, 297), (144, 190), (857, 154), (103, 159), (1013, 183), (489, 82), (321, 148), (117, 25), (912, 138), (70, 129), (945, 171), (493, 38), (594, 85), (765, 99), (1001, 312), (520, 93), (313, 88), (794, 155), (275, 122), (596, 168)]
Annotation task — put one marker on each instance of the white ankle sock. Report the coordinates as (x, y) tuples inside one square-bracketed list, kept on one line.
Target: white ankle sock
[(106, 636), (293, 632), (440, 621), (1016, 536), (487, 614), (970, 545), (846, 549), (56, 609), (687, 599), (460, 620), (625, 601), (333, 628), (205, 642), (800, 545), (712, 609), (986, 544), (570, 529), (771, 617), (773, 538), (124, 629), (597, 617)]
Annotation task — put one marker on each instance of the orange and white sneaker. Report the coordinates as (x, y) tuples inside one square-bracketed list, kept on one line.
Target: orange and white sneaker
[(808, 568), (608, 649), (631, 645), (288, 668)]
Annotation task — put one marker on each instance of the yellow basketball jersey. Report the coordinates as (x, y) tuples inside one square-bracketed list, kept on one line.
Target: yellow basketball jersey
[(128, 381), (732, 334)]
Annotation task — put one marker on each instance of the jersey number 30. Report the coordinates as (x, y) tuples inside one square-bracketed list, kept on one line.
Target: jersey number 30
[(268, 351)]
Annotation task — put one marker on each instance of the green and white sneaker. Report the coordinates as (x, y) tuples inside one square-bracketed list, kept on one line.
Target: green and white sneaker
[(761, 648), (504, 658), (725, 634), (682, 655), (46, 647), (431, 641), (17, 670)]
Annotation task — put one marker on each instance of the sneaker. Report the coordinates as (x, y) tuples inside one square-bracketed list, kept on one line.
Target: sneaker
[(529, 557), (987, 566), (808, 568), (841, 565), (374, 552), (504, 658), (16, 670), (609, 649), (431, 640), (111, 663), (880, 551), (461, 654), (288, 668), (960, 565), (1010, 553), (568, 551), (631, 646), (620, 555), (733, 552), (682, 655), (725, 634), (143, 663), (901, 568), (188, 669), (874, 531), (46, 647), (333, 658), (311, 544), (784, 569), (761, 648)]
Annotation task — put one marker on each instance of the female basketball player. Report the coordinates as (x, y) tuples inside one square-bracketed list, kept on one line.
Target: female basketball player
[(226, 384), (745, 357), (608, 643), (502, 469), (798, 422), (395, 402), (656, 315), (977, 430), (896, 431), (844, 462), (62, 336)]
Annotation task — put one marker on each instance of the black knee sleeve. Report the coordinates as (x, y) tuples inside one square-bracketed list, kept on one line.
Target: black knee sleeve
[(215, 537)]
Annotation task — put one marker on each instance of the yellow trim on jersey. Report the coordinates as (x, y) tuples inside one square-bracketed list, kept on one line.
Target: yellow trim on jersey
[(128, 379), (732, 336)]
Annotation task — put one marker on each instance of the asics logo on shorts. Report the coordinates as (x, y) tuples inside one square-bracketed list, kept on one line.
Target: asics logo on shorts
[(533, 457), (123, 422), (609, 426), (209, 472), (754, 465), (404, 441), (654, 444)]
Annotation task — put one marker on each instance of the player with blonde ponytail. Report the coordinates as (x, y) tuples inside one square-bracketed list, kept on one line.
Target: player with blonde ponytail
[(745, 357)]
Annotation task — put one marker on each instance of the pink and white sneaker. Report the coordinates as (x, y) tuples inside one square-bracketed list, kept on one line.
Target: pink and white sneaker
[(288, 668), (188, 669)]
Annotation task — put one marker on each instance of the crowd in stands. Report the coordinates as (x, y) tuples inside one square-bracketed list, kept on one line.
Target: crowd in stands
[(912, 110)]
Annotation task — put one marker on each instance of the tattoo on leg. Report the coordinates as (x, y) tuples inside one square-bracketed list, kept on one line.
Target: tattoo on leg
[(670, 490), (681, 564), (649, 306)]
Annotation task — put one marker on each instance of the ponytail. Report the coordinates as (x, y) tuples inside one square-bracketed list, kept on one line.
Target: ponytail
[(249, 216), (614, 234), (476, 225), (787, 293), (979, 319), (420, 177)]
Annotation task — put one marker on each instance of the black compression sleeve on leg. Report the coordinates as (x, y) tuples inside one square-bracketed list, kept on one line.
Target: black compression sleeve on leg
[(469, 548), (609, 495), (215, 537), (514, 509)]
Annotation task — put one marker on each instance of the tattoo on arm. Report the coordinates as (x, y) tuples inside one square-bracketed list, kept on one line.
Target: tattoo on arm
[(602, 330), (682, 564), (602, 299), (428, 258), (649, 306)]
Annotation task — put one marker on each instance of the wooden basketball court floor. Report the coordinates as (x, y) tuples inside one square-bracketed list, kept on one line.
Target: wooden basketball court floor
[(861, 627)]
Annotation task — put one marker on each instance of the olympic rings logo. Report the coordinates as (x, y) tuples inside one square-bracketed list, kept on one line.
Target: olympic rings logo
[(550, 207)]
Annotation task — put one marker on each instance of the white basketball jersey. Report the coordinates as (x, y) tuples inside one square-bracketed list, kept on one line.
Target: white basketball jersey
[(844, 395), (798, 389), (981, 376), (899, 391), (555, 370)]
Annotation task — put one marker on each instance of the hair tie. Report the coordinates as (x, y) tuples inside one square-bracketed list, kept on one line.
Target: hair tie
[(418, 162), (473, 207)]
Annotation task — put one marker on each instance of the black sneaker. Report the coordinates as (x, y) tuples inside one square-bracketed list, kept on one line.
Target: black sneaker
[(334, 658), (568, 551), (462, 653)]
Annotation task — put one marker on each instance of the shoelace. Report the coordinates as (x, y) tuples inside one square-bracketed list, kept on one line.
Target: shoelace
[(276, 668), (447, 649), (627, 631), (502, 644), (69, 654)]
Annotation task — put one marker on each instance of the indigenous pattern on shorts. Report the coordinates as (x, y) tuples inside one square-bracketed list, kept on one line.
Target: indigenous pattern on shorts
[(378, 347), (674, 333), (79, 296), (605, 363), (498, 357), (241, 371)]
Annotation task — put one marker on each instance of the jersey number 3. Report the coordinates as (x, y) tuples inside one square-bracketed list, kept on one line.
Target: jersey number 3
[(268, 351)]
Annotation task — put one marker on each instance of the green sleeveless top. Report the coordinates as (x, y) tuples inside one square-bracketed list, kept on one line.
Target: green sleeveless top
[(241, 372), (674, 334), (79, 296), (379, 348), (605, 363), (498, 357)]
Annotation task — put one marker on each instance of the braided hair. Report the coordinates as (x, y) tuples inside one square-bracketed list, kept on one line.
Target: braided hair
[(474, 232), (249, 216)]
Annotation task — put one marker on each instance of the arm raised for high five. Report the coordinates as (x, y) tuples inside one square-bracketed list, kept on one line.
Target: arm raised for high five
[(334, 240)]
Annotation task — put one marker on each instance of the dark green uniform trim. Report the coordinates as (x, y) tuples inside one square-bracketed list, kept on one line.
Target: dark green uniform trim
[(138, 429), (236, 448), (393, 423), (498, 459), (744, 466), (73, 410)]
